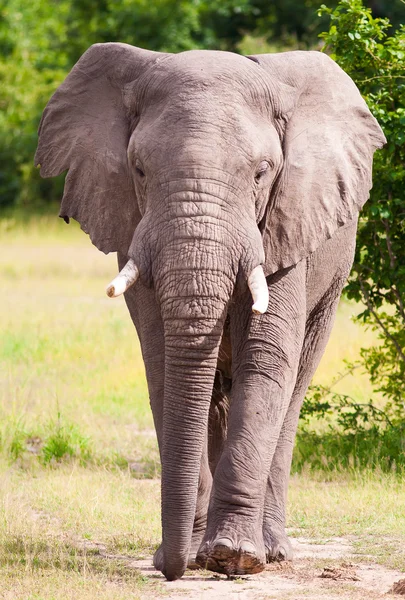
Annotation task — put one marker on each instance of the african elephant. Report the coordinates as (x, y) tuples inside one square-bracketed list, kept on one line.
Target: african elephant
[(207, 171)]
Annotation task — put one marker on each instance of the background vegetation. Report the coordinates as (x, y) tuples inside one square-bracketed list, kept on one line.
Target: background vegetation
[(373, 54), (40, 41)]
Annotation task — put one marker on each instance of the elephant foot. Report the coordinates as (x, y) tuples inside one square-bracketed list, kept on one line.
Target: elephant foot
[(223, 556), (278, 546), (171, 572), (195, 544), (158, 558)]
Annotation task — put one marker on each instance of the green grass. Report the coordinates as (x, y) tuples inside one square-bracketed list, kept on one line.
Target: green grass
[(367, 508), (79, 463), (65, 347)]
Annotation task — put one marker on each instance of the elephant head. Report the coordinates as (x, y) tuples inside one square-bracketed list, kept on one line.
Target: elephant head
[(204, 169)]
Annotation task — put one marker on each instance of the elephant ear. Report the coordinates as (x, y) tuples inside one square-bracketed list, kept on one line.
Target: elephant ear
[(329, 137), (85, 128)]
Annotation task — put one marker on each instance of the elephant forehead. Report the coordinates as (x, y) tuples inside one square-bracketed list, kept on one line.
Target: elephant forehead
[(221, 73), (183, 132), (207, 64)]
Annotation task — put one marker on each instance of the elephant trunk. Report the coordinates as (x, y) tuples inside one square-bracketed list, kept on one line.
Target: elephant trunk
[(190, 367), (193, 292)]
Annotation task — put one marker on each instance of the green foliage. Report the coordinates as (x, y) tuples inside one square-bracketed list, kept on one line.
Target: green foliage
[(32, 65), (57, 441), (350, 415), (17, 444), (51, 443), (336, 450), (358, 436), (64, 441)]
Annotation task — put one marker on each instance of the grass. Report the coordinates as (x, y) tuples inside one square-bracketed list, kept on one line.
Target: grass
[(79, 464), (68, 353)]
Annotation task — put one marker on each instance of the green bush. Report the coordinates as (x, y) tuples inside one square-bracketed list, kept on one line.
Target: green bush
[(337, 450), (62, 441), (50, 443)]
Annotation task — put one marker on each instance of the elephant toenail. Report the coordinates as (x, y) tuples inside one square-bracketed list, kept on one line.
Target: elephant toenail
[(226, 542), (247, 547)]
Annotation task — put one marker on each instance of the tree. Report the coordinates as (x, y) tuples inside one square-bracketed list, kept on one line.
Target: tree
[(32, 65)]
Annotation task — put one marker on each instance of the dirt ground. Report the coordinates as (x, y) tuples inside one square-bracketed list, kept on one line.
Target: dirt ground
[(319, 571)]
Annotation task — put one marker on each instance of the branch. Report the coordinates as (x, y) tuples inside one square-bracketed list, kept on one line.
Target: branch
[(378, 320), (351, 402), (373, 408), (392, 290), (392, 265), (342, 376), (382, 77), (389, 245)]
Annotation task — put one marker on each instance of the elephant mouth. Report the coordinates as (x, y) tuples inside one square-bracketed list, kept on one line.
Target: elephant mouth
[(256, 282)]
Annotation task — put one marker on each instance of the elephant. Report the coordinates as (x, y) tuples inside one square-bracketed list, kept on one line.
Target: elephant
[(218, 178)]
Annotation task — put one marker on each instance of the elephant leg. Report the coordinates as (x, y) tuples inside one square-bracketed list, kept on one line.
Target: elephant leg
[(145, 315), (327, 272), (266, 351), (221, 394), (217, 426), (318, 328), (218, 419)]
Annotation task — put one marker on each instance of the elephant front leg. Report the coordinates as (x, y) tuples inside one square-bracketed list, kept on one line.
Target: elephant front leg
[(266, 351), (318, 328), (217, 427)]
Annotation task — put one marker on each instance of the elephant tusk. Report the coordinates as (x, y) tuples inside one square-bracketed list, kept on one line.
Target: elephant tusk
[(125, 278), (259, 290)]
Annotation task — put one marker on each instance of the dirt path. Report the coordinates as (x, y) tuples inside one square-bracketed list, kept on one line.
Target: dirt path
[(319, 572)]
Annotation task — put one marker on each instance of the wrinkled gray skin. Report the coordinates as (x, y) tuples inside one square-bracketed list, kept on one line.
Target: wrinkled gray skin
[(201, 166)]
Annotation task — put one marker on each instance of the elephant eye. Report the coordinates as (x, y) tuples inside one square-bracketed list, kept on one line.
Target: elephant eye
[(139, 169), (262, 169)]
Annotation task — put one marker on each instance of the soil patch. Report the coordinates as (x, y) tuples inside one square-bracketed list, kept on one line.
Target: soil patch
[(320, 571)]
